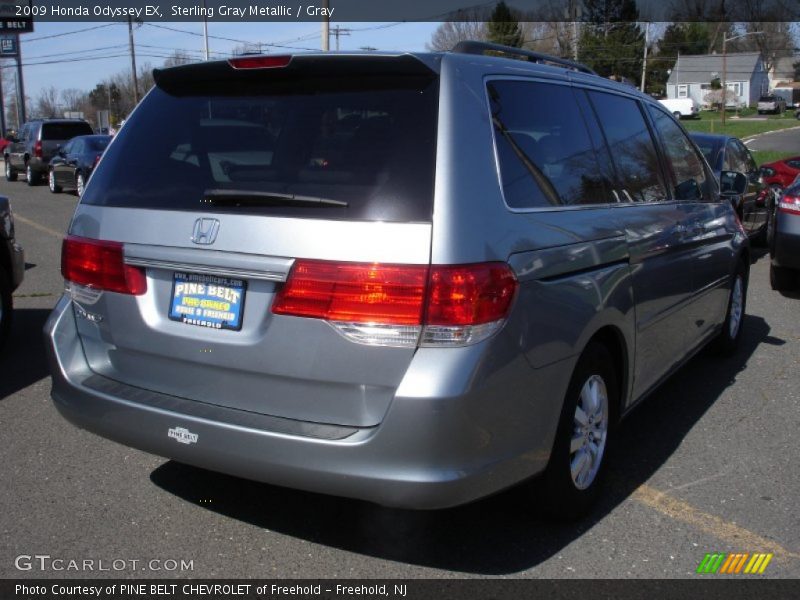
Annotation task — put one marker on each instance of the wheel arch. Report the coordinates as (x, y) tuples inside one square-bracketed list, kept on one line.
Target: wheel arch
[(612, 338)]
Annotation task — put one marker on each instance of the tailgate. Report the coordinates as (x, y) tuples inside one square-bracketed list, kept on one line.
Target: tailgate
[(220, 181)]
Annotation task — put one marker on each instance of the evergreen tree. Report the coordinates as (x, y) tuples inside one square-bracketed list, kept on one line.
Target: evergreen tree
[(503, 28), (612, 42)]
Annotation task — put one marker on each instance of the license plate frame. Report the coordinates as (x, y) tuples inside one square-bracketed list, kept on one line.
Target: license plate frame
[(207, 300)]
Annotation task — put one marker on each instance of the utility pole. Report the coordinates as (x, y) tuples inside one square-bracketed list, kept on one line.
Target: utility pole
[(337, 31), (205, 28), (2, 109), (326, 31), (133, 63), (22, 117), (644, 61), (725, 40)]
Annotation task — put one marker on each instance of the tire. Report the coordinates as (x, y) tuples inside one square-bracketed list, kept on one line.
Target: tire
[(11, 174), (51, 182), (31, 177), (570, 483), (782, 279), (6, 306), (80, 185), (677, 115), (727, 341)]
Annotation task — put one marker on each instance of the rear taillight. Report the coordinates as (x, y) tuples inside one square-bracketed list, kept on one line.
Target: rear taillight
[(260, 62), (37, 149), (100, 265), (789, 204), (401, 305), (96, 160)]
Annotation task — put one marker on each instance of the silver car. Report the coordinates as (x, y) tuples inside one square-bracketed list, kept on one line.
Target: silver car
[(414, 279)]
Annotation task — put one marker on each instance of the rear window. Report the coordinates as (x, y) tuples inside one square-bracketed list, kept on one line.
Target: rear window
[(64, 131), (97, 144), (767, 99), (371, 146)]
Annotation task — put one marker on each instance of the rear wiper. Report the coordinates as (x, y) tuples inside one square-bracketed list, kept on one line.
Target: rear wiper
[(221, 197)]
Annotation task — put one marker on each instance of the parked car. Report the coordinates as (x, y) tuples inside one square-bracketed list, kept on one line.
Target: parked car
[(755, 206), (12, 267), (384, 304), (681, 108), (771, 104), (73, 163), (784, 268), (781, 173), (31, 152)]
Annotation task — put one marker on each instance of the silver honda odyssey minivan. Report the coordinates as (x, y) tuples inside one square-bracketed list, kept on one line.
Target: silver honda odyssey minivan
[(414, 279)]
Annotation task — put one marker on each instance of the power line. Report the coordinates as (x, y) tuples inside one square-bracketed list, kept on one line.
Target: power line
[(56, 35), (227, 39)]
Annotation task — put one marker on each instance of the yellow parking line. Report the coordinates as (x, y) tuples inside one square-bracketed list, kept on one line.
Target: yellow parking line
[(729, 532), (35, 225)]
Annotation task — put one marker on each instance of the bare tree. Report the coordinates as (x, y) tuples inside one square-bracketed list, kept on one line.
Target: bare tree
[(449, 33), (47, 104), (179, 57), (72, 99)]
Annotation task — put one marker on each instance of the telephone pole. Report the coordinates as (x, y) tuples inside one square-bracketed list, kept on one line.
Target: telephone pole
[(326, 29), (644, 61), (337, 31), (133, 63)]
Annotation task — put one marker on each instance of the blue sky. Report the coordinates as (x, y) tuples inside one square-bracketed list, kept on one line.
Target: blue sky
[(101, 52)]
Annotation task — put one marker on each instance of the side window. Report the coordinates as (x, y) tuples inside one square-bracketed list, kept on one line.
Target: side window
[(631, 146), (749, 162), (545, 154), (687, 165), (75, 147), (731, 162), (67, 148)]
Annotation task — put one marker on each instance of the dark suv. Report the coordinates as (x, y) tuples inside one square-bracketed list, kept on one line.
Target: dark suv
[(37, 143), (12, 266)]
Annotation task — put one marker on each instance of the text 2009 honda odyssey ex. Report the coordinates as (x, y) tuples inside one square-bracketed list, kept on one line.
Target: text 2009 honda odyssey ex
[(415, 279)]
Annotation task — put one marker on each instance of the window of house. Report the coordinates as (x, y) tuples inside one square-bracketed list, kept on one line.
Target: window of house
[(683, 91)]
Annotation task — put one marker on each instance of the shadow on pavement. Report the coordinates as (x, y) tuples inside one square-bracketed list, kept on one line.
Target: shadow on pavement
[(499, 535), (22, 361)]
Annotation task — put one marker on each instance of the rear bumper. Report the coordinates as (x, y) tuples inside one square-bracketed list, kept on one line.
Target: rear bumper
[(786, 246), (432, 450)]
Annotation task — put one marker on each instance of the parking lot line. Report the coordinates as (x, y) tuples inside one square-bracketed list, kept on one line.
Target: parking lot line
[(719, 528), (35, 225)]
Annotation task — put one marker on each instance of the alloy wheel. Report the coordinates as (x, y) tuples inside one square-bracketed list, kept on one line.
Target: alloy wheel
[(590, 432)]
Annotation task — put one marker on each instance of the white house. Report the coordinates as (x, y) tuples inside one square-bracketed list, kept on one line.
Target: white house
[(692, 75)]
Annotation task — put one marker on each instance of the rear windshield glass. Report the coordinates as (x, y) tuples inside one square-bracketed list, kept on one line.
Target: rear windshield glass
[(64, 131), (767, 99), (369, 146), (97, 144)]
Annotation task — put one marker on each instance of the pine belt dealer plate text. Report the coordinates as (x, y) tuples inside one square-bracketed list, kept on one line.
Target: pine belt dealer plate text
[(207, 301)]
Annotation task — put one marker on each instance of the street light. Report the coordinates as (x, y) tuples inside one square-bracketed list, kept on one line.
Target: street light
[(725, 40)]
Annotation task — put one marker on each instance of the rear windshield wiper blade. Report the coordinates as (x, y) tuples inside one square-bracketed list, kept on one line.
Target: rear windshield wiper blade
[(221, 197)]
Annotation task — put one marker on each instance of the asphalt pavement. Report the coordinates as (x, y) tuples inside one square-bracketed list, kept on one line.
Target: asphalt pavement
[(786, 140), (708, 464)]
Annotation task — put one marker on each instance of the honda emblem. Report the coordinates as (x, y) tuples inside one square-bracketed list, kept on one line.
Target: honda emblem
[(205, 231)]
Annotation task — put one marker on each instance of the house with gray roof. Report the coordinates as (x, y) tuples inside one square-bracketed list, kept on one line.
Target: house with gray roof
[(692, 75)]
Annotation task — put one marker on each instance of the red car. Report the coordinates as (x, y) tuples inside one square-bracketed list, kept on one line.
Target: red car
[(781, 173)]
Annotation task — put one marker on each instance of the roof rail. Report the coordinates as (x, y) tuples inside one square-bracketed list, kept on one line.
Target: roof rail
[(472, 47)]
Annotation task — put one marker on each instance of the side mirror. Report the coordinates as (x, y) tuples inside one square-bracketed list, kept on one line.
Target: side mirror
[(732, 183)]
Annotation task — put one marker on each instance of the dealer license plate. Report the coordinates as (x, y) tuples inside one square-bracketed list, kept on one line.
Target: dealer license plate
[(207, 301)]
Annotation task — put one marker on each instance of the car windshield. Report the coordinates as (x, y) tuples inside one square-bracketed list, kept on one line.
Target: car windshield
[(370, 146)]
